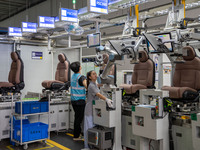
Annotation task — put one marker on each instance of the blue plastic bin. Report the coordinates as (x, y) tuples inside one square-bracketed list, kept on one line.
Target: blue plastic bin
[(31, 132), (44, 106), (35, 107), (30, 107), (25, 108), (16, 133), (17, 122)]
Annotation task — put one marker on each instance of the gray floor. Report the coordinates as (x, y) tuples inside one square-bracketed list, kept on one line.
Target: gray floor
[(67, 141), (60, 138)]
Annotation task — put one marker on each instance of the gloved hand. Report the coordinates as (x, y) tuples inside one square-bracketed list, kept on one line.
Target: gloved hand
[(109, 102)]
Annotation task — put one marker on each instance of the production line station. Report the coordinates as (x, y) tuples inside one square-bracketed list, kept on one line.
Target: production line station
[(138, 74)]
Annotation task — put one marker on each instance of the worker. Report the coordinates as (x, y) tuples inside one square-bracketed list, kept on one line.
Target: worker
[(78, 96), (93, 94)]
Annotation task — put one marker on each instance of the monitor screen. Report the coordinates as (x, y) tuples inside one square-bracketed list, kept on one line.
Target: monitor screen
[(163, 37), (94, 40)]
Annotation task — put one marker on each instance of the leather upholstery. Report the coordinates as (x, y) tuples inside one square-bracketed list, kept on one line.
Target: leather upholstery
[(186, 76), (47, 83), (61, 58), (16, 72), (6, 84), (132, 88), (190, 53), (177, 92), (143, 75), (143, 56), (62, 73)]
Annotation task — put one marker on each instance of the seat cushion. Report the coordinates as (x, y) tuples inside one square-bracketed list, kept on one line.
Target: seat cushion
[(132, 88), (177, 92), (48, 83), (6, 84)]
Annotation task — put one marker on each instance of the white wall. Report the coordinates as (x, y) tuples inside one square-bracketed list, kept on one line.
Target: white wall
[(5, 61), (35, 71)]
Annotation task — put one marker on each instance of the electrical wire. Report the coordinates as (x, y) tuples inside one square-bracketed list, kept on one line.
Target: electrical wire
[(151, 146)]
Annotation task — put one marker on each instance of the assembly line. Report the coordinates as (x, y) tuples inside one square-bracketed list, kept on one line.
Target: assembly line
[(108, 76)]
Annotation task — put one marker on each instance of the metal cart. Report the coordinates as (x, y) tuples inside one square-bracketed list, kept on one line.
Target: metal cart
[(25, 144)]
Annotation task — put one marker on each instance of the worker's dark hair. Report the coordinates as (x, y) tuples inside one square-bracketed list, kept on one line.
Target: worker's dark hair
[(75, 66), (88, 77)]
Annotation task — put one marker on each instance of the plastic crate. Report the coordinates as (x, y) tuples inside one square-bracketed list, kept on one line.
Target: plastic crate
[(44, 106), (30, 107), (31, 132), (17, 121)]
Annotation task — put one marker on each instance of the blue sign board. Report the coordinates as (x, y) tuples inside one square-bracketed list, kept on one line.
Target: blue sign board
[(98, 6), (113, 1), (82, 10), (56, 19), (14, 31), (29, 27), (37, 55), (46, 22), (69, 15)]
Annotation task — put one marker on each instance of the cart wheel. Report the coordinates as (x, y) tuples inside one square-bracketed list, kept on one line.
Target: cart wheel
[(44, 143), (25, 146), (16, 144)]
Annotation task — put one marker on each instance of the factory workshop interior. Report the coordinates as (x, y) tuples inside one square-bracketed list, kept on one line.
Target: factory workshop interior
[(99, 75)]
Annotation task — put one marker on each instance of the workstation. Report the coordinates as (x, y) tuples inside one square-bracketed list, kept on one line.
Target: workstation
[(100, 75)]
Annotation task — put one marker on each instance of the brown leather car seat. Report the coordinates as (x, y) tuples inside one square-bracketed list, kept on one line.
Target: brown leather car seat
[(143, 76), (62, 76), (186, 79), (16, 75)]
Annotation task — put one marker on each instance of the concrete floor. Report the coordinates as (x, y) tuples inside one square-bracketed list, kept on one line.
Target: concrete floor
[(57, 142)]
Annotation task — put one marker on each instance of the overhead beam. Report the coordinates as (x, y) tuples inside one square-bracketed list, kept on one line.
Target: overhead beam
[(22, 9)]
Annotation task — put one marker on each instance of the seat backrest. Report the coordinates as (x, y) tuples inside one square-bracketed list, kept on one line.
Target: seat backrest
[(16, 74), (187, 74), (144, 71), (63, 69)]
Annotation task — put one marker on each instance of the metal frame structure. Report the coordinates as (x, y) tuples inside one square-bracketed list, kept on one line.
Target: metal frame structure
[(21, 124)]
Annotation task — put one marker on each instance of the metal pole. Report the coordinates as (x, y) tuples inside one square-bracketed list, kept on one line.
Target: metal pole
[(69, 40), (49, 44), (14, 45), (81, 49), (49, 99), (52, 73), (137, 14), (11, 127), (97, 27), (160, 71), (21, 120)]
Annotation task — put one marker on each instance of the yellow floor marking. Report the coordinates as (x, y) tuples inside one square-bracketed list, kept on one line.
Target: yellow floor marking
[(50, 146), (70, 134), (9, 147), (57, 145)]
